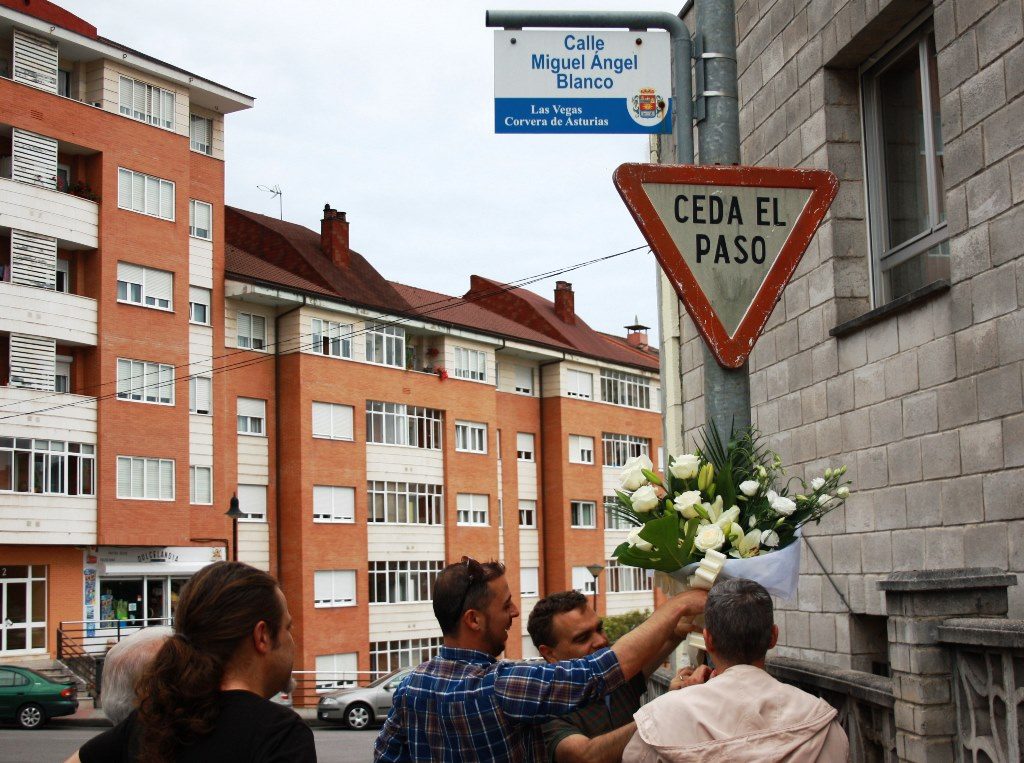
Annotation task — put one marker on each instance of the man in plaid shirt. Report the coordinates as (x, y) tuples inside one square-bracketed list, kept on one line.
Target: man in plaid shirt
[(465, 705)]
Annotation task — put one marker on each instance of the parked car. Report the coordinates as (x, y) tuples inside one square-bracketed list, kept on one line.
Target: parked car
[(357, 708), (32, 699)]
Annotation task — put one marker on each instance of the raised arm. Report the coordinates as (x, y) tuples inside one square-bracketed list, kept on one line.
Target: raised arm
[(643, 644), (606, 748)]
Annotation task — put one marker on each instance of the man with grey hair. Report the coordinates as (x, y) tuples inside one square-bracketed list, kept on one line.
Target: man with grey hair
[(125, 662), (741, 712)]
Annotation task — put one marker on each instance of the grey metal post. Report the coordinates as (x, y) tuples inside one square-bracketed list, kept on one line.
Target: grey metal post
[(726, 390)]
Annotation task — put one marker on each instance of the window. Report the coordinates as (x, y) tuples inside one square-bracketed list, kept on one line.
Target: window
[(625, 579), (619, 448), (252, 501), (472, 508), (470, 437), (612, 519), (64, 83), (581, 449), (334, 588), (252, 416), (403, 582), (388, 656), (470, 364), (385, 345), (405, 503), (252, 331), (147, 103), (199, 305), (200, 219), (333, 504), (145, 194), (62, 373), (63, 275), (583, 581), (524, 380), (148, 479), (584, 514), (625, 389), (143, 382), (200, 395), (49, 467), (330, 338), (524, 446), (200, 484), (144, 286), (529, 584), (332, 421), (200, 134), (527, 513), (579, 384), (337, 671), (399, 424), (904, 153)]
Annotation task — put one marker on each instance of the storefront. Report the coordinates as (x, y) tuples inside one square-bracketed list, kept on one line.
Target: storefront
[(136, 587)]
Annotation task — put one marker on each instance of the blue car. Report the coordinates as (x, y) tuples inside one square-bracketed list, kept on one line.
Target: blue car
[(32, 699)]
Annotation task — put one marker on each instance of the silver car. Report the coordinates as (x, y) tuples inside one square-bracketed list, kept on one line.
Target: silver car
[(358, 708)]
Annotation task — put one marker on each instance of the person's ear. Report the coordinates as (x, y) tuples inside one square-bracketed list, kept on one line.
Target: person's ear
[(547, 653), (775, 637), (709, 644), (262, 638), (473, 620)]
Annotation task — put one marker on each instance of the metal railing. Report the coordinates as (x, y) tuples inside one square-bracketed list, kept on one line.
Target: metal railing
[(310, 685), (82, 645)]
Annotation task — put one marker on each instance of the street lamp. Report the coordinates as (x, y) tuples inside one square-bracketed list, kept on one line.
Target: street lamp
[(595, 570), (234, 512)]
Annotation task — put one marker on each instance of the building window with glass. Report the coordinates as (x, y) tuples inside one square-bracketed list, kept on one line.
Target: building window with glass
[(583, 581), (145, 194), (403, 582), (334, 588), (527, 513), (252, 501), (904, 157), (200, 395), (144, 286), (142, 382), (625, 579), (619, 388), (529, 582), (581, 449), (470, 364), (199, 305), (251, 331), (331, 338), (524, 446), (200, 483), (252, 416), (579, 384), (470, 437), (619, 448), (613, 519), (48, 467), (385, 345), (200, 219), (399, 424), (200, 134), (334, 504), (145, 479), (405, 503), (388, 656), (333, 421), (583, 514), (146, 103), (524, 380), (472, 509)]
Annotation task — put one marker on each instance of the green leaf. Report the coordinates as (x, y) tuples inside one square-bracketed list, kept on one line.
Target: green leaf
[(624, 499), (689, 536), (664, 534)]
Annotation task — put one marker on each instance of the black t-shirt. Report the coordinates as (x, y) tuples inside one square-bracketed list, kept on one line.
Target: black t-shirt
[(249, 728)]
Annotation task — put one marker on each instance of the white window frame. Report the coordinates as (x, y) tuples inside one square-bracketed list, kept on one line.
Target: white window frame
[(470, 364), (155, 192), (140, 381), (613, 520), (581, 449), (157, 103), (246, 494), (385, 345), (529, 582), (334, 504), (584, 582), (194, 231), (161, 467), (193, 485), (337, 414), (388, 656), (526, 449), (67, 468), (198, 297), (523, 376), (470, 437), (403, 582), (341, 585), (622, 578), (579, 384), (470, 512), (338, 667), (578, 515), (404, 503), (251, 416), (331, 338), (195, 385), (626, 390), (144, 289), (62, 373), (405, 425), (617, 449), (528, 513), (248, 340), (199, 146)]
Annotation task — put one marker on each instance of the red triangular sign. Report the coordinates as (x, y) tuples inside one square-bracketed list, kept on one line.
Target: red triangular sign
[(728, 239)]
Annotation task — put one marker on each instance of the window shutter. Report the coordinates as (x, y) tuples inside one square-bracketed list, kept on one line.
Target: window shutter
[(528, 581), (201, 218), (32, 361), (151, 475), (159, 284), (203, 385), (35, 61), (322, 588), (124, 188), (248, 406), (321, 420), (524, 441), (244, 330), (139, 100), (124, 477), (128, 272), (138, 478), (341, 421), (125, 96), (345, 586), (321, 502), (33, 260), (138, 192), (202, 484), (167, 109), (252, 499), (199, 296), (259, 331), (344, 504), (524, 378), (166, 200), (152, 203), (33, 158)]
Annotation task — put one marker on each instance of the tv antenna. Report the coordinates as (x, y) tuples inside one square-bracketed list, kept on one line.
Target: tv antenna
[(275, 192)]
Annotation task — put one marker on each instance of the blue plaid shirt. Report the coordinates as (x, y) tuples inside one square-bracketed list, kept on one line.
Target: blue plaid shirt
[(463, 705)]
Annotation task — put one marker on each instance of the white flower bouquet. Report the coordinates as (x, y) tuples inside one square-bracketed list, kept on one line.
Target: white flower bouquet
[(732, 499)]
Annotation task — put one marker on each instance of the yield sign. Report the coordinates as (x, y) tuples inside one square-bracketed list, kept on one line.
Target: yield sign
[(728, 238)]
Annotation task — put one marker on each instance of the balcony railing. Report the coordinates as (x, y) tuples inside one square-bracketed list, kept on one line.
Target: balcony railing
[(72, 220)]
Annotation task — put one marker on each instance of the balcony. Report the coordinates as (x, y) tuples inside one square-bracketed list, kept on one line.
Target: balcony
[(70, 219), (67, 318), (48, 415)]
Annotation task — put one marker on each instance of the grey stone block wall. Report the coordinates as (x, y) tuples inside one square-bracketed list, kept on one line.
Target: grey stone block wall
[(926, 406)]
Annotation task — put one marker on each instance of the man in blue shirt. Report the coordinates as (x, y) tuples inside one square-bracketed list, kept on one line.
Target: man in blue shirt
[(465, 705)]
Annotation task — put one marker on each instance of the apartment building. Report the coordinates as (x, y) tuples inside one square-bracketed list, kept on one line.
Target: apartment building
[(111, 262), (398, 429)]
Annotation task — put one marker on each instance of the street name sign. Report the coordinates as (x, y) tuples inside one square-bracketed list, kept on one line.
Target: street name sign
[(589, 81), (728, 239)]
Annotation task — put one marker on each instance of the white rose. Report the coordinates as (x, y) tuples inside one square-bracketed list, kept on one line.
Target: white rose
[(632, 475), (749, 488), (781, 504), (709, 538), (843, 492), (644, 498), (769, 539), (685, 467), (817, 483), (823, 499), (686, 501), (634, 540)]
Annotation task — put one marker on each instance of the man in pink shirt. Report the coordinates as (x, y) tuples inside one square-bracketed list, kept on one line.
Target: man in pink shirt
[(741, 712)]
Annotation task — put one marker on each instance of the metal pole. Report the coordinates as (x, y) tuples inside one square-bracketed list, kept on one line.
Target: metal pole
[(726, 390)]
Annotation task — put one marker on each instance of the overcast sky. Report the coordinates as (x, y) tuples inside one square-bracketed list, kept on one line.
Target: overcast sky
[(385, 111)]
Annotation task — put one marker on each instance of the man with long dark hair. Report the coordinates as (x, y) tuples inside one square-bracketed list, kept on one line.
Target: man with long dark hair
[(205, 696), (465, 705)]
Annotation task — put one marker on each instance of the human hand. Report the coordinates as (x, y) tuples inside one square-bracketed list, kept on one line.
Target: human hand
[(690, 677), (691, 602), (684, 627)]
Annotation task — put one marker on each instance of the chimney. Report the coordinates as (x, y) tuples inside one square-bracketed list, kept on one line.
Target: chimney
[(637, 334), (564, 302), (334, 237)]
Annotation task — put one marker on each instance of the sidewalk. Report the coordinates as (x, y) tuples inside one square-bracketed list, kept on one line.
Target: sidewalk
[(89, 716)]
